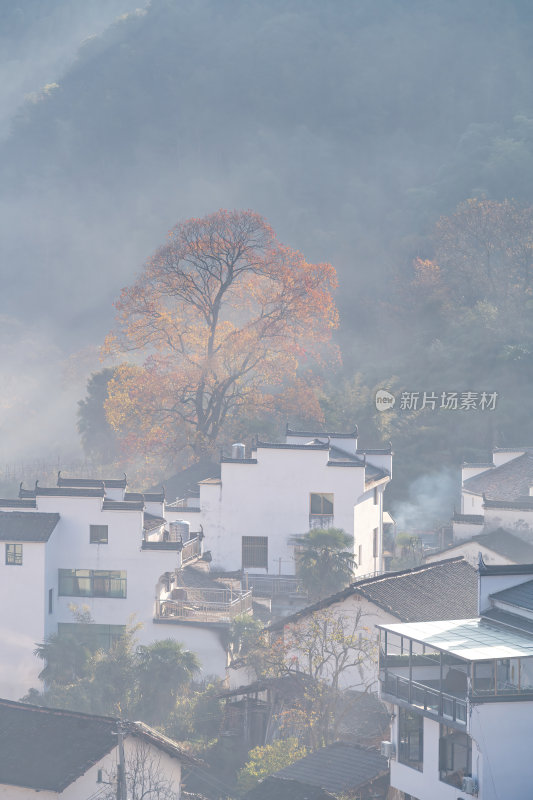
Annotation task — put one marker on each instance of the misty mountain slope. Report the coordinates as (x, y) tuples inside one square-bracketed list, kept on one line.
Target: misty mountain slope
[(320, 116), (38, 40)]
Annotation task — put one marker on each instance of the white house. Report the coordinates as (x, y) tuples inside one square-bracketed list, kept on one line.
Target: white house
[(48, 753), (280, 490), (443, 590), (496, 547), (92, 544), (497, 494), (461, 696)]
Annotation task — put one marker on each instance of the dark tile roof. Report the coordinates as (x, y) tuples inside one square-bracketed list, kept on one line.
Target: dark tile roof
[(67, 492), (283, 446), (472, 519), (199, 577), (178, 485), (520, 504), (506, 619), (520, 596), (48, 749), (26, 526), (154, 497), (282, 789), (322, 434), (337, 768), (507, 482), (507, 545), (504, 569), (109, 483), (499, 541), (229, 460), (121, 505), (16, 502), (151, 522), (440, 590)]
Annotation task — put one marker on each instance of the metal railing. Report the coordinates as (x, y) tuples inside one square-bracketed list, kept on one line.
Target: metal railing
[(206, 605), (430, 700), (273, 585), (191, 549)]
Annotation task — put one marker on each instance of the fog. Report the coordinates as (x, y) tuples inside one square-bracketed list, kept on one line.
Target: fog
[(346, 124)]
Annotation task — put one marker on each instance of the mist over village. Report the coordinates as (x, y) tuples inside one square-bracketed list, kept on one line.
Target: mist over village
[(266, 442)]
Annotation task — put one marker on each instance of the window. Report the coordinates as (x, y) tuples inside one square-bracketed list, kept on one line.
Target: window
[(50, 600), (93, 636), (375, 543), (455, 756), (254, 552), (98, 534), (14, 554), (321, 504), (360, 555), (92, 583), (410, 739)]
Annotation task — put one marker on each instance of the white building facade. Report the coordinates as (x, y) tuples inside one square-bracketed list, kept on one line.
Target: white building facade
[(251, 513), (461, 696)]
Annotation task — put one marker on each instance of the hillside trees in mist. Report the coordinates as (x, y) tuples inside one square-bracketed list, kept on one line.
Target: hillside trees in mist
[(98, 438), (227, 321)]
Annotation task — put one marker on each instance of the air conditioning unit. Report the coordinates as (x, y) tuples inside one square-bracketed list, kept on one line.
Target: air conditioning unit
[(388, 749), (469, 785)]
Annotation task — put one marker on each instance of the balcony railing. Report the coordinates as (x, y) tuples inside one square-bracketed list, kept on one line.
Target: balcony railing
[(205, 605), (320, 520), (429, 699), (273, 585), (191, 549)]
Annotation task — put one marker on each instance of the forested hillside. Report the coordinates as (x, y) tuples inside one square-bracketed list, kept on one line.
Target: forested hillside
[(352, 127)]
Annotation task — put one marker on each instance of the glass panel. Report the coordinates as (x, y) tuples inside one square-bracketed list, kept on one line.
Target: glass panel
[(483, 678), (321, 503), (411, 738), (526, 674), (507, 676), (455, 756)]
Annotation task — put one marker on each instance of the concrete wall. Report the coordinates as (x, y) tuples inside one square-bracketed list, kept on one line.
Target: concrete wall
[(517, 521), (271, 498), (22, 619)]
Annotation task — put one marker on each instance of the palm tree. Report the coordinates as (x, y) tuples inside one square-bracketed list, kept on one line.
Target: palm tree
[(325, 561), (164, 669)]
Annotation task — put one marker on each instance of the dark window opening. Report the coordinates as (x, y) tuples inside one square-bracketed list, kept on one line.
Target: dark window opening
[(14, 555), (92, 583), (321, 504), (455, 756), (254, 552), (411, 739), (50, 600), (98, 534)]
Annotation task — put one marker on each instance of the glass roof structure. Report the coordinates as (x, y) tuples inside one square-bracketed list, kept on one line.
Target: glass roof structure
[(470, 639)]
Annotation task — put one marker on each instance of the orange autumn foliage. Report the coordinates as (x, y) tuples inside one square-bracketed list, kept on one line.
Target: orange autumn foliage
[(226, 321)]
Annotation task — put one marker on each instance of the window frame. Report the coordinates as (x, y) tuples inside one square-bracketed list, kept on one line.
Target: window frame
[(413, 727), (323, 496), (14, 557), (259, 544), (93, 536), (450, 744), (89, 583)]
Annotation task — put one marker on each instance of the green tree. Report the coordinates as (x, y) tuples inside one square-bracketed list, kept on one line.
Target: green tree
[(325, 561), (264, 761), (163, 669)]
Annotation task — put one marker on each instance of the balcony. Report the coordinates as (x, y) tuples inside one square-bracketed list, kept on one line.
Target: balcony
[(203, 605), (274, 585), (188, 550), (443, 681)]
